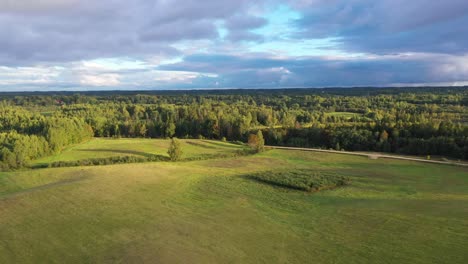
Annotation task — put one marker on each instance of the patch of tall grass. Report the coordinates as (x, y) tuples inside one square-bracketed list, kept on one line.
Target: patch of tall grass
[(305, 180)]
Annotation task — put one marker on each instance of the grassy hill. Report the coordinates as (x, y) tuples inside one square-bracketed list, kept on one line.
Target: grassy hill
[(211, 211)]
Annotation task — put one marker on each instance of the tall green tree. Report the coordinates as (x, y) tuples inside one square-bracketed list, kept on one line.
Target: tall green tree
[(175, 150), (260, 142), (170, 128)]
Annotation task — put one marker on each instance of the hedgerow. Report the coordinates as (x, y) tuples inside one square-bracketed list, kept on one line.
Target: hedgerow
[(136, 159), (106, 161)]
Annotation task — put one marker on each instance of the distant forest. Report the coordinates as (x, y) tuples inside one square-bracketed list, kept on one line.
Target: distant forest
[(418, 121)]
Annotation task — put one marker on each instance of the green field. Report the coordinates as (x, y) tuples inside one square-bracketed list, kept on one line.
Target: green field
[(346, 115), (210, 211), (103, 148)]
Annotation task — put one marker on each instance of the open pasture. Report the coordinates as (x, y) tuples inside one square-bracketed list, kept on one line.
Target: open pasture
[(105, 147), (207, 211)]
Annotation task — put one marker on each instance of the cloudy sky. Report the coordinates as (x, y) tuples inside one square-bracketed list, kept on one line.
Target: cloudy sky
[(185, 44)]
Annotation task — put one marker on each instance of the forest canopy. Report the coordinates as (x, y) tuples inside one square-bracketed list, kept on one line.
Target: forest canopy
[(420, 121)]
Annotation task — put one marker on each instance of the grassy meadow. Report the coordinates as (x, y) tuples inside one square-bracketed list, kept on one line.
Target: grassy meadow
[(347, 115), (211, 211), (141, 147)]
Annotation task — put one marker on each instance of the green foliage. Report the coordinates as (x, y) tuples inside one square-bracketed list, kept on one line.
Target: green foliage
[(170, 128), (175, 150), (17, 150), (147, 149), (25, 136), (337, 146), (256, 142), (407, 120), (260, 147), (61, 132), (137, 159), (305, 180), (106, 161)]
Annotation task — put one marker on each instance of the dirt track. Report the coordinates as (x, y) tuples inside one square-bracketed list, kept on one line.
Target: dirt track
[(373, 155)]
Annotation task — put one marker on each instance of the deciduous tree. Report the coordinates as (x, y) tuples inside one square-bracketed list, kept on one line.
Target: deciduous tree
[(175, 150)]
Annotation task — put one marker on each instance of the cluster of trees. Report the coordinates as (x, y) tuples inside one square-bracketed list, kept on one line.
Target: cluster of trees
[(423, 121), (208, 120), (395, 139), (25, 136), (257, 142)]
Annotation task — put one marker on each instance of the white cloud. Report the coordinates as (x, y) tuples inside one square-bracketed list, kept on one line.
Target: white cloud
[(28, 75), (100, 80)]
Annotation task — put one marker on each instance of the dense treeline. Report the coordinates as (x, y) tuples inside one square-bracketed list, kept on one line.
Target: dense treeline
[(25, 136), (371, 137), (422, 121)]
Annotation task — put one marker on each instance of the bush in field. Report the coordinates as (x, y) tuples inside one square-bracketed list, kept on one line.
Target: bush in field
[(175, 150), (305, 180)]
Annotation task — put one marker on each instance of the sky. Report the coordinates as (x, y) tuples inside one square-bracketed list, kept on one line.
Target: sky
[(212, 44)]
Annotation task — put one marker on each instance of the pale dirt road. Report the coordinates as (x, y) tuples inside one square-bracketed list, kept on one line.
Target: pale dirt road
[(373, 155)]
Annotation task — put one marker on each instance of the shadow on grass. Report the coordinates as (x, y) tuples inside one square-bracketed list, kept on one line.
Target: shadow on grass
[(39, 166), (200, 145), (271, 183), (122, 151), (303, 180), (137, 157), (43, 187), (224, 145)]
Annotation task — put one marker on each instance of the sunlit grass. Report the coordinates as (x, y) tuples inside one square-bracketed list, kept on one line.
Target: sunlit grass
[(208, 212), (104, 148)]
